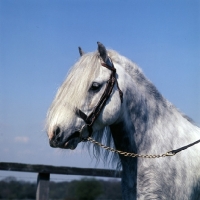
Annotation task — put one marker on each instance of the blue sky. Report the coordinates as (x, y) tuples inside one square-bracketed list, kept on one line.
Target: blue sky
[(39, 42)]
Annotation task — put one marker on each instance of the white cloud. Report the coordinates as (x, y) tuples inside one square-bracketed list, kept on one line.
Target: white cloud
[(21, 139)]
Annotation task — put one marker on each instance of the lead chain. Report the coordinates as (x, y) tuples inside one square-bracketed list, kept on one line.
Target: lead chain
[(133, 155)]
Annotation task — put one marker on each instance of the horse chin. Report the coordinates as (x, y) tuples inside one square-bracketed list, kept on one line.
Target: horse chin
[(72, 144)]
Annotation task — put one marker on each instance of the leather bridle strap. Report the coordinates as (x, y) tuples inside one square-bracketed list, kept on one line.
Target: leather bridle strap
[(90, 119), (173, 152)]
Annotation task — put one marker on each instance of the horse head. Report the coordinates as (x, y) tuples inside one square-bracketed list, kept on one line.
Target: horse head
[(87, 101)]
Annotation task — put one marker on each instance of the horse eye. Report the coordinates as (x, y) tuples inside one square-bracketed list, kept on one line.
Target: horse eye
[(95, 86)]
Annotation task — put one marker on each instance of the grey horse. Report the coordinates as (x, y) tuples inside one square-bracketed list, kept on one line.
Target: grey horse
[(143, 123)]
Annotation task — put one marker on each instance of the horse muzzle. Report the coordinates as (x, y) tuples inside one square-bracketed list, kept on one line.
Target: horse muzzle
[(59, 140)]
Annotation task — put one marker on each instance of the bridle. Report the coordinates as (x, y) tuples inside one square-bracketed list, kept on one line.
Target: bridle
[(90, 119)]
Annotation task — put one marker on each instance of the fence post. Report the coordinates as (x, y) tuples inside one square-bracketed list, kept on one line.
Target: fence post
[(42, 192)]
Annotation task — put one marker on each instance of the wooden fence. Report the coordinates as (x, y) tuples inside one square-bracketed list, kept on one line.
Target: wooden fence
[(44, 171)]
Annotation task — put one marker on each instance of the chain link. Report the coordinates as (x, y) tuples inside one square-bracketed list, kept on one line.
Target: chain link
[(133, 155)]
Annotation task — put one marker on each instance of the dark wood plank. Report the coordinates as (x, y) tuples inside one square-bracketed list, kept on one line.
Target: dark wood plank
[(59, 170)]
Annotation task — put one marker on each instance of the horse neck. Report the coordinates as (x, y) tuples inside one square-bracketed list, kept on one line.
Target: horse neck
[(149, 121)]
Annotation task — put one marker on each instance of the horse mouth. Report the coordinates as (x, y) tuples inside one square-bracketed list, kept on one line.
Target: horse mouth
[(70, 143)]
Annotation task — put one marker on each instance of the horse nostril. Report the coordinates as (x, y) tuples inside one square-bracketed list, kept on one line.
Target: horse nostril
[(57, 131)]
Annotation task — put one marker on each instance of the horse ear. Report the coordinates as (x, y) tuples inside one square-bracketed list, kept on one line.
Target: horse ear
[(103, 54), (102, 51), (80, 51)]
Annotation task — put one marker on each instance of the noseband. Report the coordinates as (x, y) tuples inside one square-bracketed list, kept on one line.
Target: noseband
[(90, 119)]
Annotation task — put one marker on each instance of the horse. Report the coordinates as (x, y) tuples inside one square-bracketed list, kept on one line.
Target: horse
[(107, 97)]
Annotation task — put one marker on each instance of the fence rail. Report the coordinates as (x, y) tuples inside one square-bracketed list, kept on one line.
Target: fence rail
[(44, 171)]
